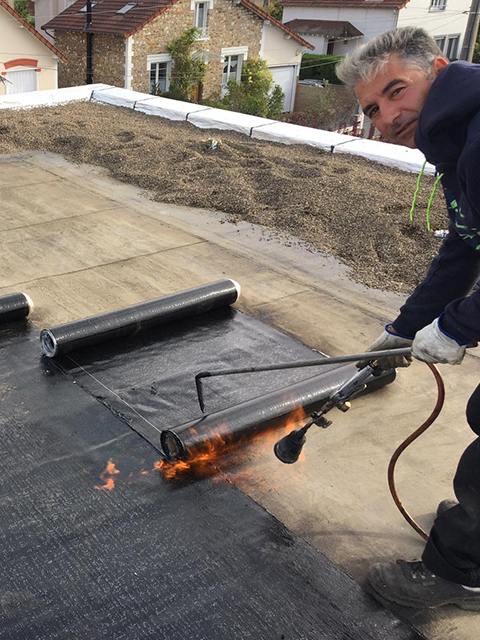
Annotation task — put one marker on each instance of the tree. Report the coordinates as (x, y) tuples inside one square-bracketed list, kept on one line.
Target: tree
[(255, 94), (187, 70), (476, 52), (21, 7)]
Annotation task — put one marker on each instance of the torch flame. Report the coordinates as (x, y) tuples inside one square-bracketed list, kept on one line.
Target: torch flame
[(107, 477), (203, 460)]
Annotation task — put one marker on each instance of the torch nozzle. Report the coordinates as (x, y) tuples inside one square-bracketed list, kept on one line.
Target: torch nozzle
[(289, 448)]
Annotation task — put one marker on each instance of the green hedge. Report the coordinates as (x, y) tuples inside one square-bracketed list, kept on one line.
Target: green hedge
[(325, 69)]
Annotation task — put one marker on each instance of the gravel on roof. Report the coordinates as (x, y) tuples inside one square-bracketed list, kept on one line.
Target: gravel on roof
[(338, 204)]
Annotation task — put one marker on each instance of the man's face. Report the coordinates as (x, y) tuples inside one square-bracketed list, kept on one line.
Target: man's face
[(394, 98)]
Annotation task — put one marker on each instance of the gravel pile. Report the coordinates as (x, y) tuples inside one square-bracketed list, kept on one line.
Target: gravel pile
[(339, 204)]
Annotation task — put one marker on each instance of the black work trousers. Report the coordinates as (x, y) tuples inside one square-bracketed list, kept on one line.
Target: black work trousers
[(453, 549)]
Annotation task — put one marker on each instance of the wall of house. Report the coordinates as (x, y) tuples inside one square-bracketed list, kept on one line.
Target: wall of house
[(16, 42), (452, 21), (370, 22), (108, 59), (278, 48), (319, 42), (229, 25), (45, 10)]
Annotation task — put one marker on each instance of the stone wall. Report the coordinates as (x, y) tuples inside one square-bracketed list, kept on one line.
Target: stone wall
[(108, 59), (229, 25)]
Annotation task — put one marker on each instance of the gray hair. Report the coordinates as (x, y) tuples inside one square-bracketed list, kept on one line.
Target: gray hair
[(411, 44)]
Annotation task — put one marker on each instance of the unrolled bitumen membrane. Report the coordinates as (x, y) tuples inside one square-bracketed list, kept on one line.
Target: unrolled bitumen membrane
[(149, 379), (148, 559), (87, 332), (14, 306)]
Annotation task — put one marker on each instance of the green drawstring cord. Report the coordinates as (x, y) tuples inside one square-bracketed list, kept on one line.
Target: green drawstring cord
[(414, 201), (430, 200)]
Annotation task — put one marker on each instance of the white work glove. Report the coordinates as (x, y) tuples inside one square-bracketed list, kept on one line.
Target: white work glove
[(432, 344), (389, 340)]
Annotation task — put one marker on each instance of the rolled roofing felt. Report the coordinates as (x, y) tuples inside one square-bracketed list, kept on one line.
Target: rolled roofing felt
[(129, 320), (244, 420), (15, 306)]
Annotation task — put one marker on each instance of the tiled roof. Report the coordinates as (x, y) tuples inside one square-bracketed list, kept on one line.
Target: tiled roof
[(33, 31), (105, 18), (339, 4), (327, 28)]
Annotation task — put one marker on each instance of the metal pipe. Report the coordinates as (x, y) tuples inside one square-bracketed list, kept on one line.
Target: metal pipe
[(297, 364), (471, 32), (89, 37), (246, 419), (355, 357), (129, 320), (15, 306)]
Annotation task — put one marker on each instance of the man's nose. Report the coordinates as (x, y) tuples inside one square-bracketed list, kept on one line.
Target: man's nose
[(390, 113)]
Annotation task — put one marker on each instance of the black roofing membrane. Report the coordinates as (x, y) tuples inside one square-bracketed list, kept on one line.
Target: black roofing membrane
[(149, 559), (149, 379)]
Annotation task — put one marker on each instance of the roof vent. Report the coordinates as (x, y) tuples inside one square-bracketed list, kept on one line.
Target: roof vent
[(127, 8)]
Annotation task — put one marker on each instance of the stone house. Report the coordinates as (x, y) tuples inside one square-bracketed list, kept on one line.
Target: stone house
[(130, 42), (28, 61)]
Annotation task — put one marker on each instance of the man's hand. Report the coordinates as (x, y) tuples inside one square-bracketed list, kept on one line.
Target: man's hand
[(389, 339), (432, 344)]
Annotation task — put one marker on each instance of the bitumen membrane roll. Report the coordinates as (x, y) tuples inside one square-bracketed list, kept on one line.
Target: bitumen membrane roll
[(91, 331), (14, 306), (244, 421)]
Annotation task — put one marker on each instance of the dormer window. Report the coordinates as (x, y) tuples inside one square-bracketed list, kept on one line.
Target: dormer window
[(127, 8)]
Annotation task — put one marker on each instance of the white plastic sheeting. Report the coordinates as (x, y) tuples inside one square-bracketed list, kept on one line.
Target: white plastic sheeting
[(208, 117), (171, 109), (228, 120), (390, 154), (49, 97), (120, 97), (295, 134)]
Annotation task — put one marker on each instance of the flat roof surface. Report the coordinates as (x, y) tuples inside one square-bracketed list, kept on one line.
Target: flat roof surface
[(85, 243)]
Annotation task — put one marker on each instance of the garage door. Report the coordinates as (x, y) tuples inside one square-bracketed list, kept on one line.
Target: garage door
[(285, 77), (21, 81)]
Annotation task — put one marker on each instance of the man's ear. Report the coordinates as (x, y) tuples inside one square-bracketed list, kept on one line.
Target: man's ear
[(438, 65)]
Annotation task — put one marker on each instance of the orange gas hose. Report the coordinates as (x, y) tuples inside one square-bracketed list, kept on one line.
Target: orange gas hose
[(393, 461)]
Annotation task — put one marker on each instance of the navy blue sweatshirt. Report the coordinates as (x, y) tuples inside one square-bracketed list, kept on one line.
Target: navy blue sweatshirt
[(448, 133)]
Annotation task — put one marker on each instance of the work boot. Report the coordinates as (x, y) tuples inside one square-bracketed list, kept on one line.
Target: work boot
[(411, 584), (445, 505)]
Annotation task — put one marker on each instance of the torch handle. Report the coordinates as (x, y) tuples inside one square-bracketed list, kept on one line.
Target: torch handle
[(367, 356)]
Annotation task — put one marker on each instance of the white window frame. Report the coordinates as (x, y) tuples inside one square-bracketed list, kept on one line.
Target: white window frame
[(242, 52), (438, 5), (161, 58), (208, 7), (452, 36), (444, 38)]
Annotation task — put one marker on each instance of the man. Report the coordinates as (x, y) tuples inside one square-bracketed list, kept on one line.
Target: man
[(416, 98)]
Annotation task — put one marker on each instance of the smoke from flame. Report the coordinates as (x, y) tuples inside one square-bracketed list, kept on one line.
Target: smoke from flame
[(204, 459)]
